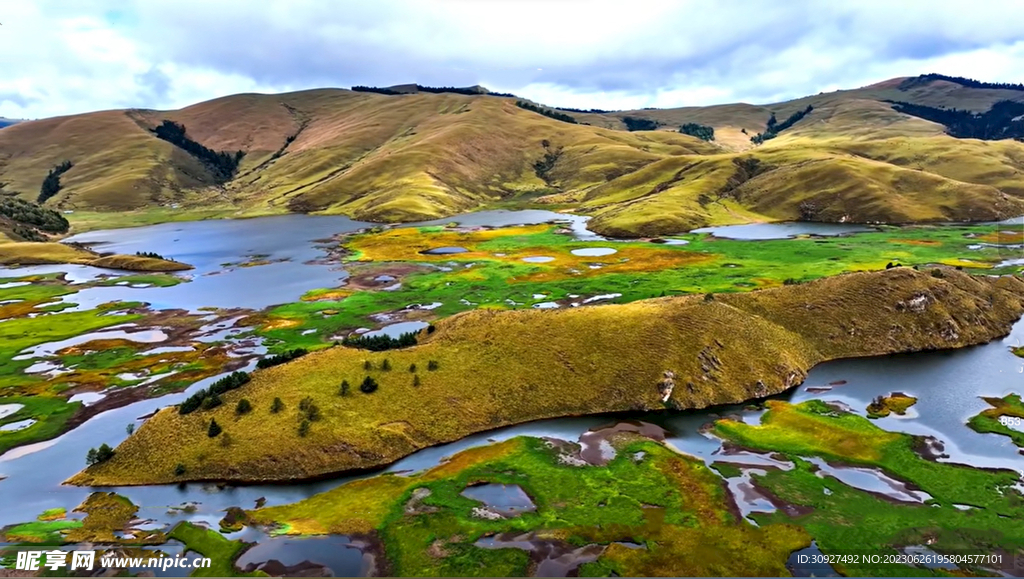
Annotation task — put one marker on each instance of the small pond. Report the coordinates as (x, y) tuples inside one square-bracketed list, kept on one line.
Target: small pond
[(594, 251)]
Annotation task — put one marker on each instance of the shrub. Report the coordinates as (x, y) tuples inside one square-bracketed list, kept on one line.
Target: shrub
[(179, 470), (703, 132), (416, 380), (938, 273), (546, 112), (304, 428), (709, 297), (432, 365), (367, 365), (214, 429), (276, 406), (211, 402), (343, 391), (308, 409), (380, 342), (386, 365), (412, 368), (431, 329), (98, 455), (274, 360), (790, 281), (225, 384), (369, 385), (243, 407)]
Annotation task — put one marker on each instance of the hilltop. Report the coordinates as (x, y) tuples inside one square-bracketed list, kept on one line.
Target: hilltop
[(484, 369), (891, 152)]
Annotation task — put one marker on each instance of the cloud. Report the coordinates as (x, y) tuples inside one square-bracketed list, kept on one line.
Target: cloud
[(60, 57)]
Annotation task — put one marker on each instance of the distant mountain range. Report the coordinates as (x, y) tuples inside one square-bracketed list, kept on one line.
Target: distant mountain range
[(914, 149), (5, 122)]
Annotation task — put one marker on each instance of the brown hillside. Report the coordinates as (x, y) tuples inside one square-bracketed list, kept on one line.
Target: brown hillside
[(423, 155)]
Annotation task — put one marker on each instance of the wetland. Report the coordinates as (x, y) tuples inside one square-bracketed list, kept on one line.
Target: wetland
[(86, 352)]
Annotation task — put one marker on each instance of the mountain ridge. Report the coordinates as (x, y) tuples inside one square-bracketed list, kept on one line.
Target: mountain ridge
[(430, 154)]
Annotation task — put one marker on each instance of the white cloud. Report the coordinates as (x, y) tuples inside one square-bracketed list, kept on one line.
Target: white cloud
[(65, 57)]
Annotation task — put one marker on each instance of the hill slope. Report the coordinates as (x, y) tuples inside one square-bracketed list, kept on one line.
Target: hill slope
[(404, 157), (537, 364)]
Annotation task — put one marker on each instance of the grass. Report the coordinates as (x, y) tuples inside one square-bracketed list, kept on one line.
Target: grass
[(40, 532), (209, 543), (897, 403), (492, 274), (541, 364), (814, 428), (988, 420), (672, 504), (422, 156), (843, 519), (50, 413)]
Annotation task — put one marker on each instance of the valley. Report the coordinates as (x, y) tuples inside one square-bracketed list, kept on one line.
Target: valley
[(449, 333)]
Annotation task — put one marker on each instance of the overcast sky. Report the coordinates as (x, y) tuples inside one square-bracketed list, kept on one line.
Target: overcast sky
[(69, 56)]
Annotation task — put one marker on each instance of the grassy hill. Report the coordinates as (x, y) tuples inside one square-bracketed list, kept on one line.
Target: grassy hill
[(485, 369), (420, 155)]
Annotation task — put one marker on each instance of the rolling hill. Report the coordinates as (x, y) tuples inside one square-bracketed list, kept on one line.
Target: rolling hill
[(840, 156)]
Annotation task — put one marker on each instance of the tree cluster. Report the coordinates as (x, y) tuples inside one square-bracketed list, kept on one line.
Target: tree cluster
[(28, 216), (230, 382), (638, 124), (151, 254), (380, 342), (965, 82), (51, 184), (98, 455), (431, 89), (596, 111), (222, 163), (702, 132), (1005, 120), (775, 127), (551, 114), (276, 359)]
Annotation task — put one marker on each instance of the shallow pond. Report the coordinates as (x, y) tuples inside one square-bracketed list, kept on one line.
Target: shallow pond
[(782, 230), (505, 499), (444, 250), (594, 251), (538, 259), (396, 330)]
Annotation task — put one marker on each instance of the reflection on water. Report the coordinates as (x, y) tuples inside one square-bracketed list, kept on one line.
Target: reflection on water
[(782, 230)]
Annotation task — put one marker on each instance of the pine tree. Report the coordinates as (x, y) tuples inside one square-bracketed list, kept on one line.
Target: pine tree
[(214, 429), (276, 406), (369, 385), (343, 391)]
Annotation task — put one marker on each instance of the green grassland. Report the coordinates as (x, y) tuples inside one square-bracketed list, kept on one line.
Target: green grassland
[(492, 273), (843, 519), (209, 543), (495, 368), (671, 504), (92, 366), (988, 420)]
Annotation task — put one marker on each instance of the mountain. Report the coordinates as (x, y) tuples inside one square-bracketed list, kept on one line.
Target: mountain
[(5, 122), (880, 153)]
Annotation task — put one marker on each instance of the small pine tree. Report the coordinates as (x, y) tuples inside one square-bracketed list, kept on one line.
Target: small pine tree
[(343, 391), (276, 406), (90, 457), (416, 380), (432, 365), (304, 428), (369, 385), (386, 365), (367, 365), (212, 402), (412, 368), (214, 429), (130, 428), (179, 470), (243, 407)]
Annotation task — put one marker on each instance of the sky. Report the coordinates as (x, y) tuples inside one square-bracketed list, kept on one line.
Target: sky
[(62, 57)]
